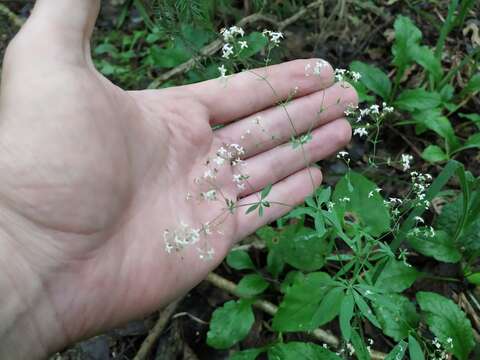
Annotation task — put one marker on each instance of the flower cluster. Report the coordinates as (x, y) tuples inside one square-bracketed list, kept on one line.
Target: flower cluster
[(406, 161), (316, 69), (347, 75), (273, 36), (376, 112), (420, 184), (439, 352), (234, 42), (179, 238)]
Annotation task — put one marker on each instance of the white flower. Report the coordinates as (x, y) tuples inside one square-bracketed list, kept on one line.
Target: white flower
[(406, 161), (342, 155), (227, 50), (319, 65), (355, 76), (360, 132), (209, 174), (243, 44), (222, 70), (218, 160), (210, 195), (231, 32), (273, 35)]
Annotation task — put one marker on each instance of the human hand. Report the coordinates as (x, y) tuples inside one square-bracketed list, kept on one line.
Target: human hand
[(91, 177)]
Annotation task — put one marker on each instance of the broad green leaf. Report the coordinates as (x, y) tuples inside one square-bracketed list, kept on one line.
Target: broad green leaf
[(449, 324), (414, 348), (434, 153), (434, 120), (398, 352), (239, 260), (407, 35), (251, 285), (230, 324), (303, 248), (356, 196), (373, 78), (361, 351), (300, 350), (418, 99), (301, 301), (448, 220), (396, 276), (329, 307), (427, 59), (169, 57), (346, 314), (396, 315), (250, 354), (440, 246)]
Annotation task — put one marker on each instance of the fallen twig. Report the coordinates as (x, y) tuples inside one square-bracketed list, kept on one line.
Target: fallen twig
[(272, 309), (156, 331), (217, 44), (14, 18)]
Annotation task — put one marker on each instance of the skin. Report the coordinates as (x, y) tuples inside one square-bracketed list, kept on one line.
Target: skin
[(92, 175)]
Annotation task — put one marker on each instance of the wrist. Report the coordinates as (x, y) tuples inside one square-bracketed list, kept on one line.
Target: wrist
[(28, 324)]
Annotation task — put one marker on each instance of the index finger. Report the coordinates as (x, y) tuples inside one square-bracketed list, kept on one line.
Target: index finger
[(236, 96)]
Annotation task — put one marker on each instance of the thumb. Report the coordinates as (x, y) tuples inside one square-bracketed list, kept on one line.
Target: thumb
[(62, 26)]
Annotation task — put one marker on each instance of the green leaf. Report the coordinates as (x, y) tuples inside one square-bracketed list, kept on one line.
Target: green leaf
[(440, 246), (329, 307), (398, 352), (418, 99), (449, 324), (303, 248), (365, 204), (433, 120), (373, 78), (434, 153), (251, 285), (346, 314), (474, 278), (365, 309), (472, 86), (426, 58), (407, 35), (300, 350), (396, 315), (396, 276), (301, 302), (266, 191), (230, 324), (472, 117), (415, 349), (448, 220), (250, 354), (361, 351), (472, 142), (240, 260)]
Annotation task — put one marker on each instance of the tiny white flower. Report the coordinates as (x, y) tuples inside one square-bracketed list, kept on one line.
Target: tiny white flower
[(222, 70), (227, 51), (243, 44), (360, 132), (406, 161)]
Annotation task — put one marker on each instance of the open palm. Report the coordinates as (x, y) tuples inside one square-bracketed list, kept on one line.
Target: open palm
[(97, 178)]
